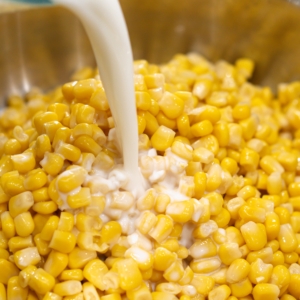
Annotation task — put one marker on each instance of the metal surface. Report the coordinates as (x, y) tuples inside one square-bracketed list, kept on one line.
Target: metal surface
[(42, 47)]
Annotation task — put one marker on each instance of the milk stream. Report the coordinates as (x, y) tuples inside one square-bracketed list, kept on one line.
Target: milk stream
[(105, 26)]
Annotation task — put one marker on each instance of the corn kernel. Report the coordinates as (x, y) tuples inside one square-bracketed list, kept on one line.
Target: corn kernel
[(162, 138), (56, 262), (255, 235), (67, 288), (62, 241), (8, 270), (24, 224)]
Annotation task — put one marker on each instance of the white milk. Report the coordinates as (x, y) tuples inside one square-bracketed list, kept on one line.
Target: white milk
[(105, 25)]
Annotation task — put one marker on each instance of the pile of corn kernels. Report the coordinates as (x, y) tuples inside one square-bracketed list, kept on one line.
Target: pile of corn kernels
[(220, 221)]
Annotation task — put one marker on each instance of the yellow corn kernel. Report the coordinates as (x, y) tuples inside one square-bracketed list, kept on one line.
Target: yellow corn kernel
[(3, 197), (14, 290), (141, 257), (249, 159), (293, 288), (42, 245), (200, 184), (45, 207), (214, 177), (63, 241), (281, 277), (62, 135), (56, 262), (269, 164), (278, 258), (67, 288), (221, 132), (181, 211), (230, 165), (20, 203), (118, 250), (203, 249), (88, 223), (50, 129), (49, 228), (41, 194), (241, 289), (4, 253), (171, 105), (35, 179), (110, 232), (295, 221), (234, 236), (162, 138), (182, 150), (60, 109), (80, 199), (274, 198), (23, 138), (24, 162), (202, 128), (87, 144), (254, 235), (233, 206), (260, 272), (85, 114), (202, 155), (183, 124), (295, 202), (287, 238), (163, 120), (283, 214), (91, 241), (272, 224), (52, 163), (52, 296), (8, 225), (41, 118), (209, 142), (96, 206), (274, 245), (294, 189), (78, 258), (113, 296), (24, 224), (204, 284), (75, 274), (25, 257), (222, 219), (12, 183), (266, 254), (70, 152), (162, 228), (221, 292), (274, 183), (205, 266), (251, 213), (71, 179), (163, 259), (2, 292), (129, 274), (141, 124), (8, 270), (238, 270), (163, 295), (12, 147), (39, 222), (6, 165), (228, 252), (265, 291), (146, 222), (291, 258), (94, 272), (42, 145), (247, 192), (66, 221), (241, 111), (161, 203)]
